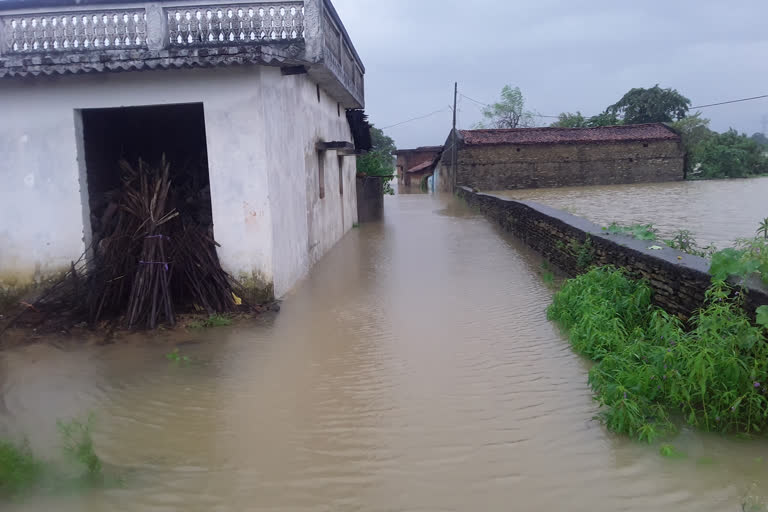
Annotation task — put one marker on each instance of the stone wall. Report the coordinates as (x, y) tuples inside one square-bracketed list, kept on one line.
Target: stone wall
[(507, 167), (678, 280), (370, 198)]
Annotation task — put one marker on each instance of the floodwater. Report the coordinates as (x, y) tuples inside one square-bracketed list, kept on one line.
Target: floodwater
[(716, 212), (414, 370)]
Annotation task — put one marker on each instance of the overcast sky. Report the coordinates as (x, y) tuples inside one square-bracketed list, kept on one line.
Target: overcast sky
[(565, 55)]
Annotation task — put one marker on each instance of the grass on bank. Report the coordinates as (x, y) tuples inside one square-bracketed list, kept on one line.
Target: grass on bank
[(651, 372)]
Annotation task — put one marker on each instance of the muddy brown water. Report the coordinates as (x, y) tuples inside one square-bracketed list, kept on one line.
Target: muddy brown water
[(716, 212), (414, 370)]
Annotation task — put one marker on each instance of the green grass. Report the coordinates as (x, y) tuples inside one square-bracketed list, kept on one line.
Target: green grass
[(19, 469), (638, 231), (649, 369), (175, 356), (22, 472), (210, 322)]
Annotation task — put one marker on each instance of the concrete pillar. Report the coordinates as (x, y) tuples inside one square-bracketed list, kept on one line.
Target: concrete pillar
[(3, 41), (157, 27), (313, 29)]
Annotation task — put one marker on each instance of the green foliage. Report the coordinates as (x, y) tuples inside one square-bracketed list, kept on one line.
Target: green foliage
[(650, 369), (638, 231), (728, 155), (750, 256), (584, 253), (177, 357), (379, 161), (210, 322), (693, 130), (604, 119), (78, 445), (669, 451), (760, 139), (762, 316), (654, 105), (763, 229), (509, 112), (19, 469), (685, 241), (569, 120)]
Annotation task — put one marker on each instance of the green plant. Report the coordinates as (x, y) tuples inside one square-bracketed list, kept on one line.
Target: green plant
[(750, 256), (763, 229), (669, 451), (177, 357), (210, 322), (650, 369), (761, 316), (19, 469), (638, 231), (78, 445), (583, 252)]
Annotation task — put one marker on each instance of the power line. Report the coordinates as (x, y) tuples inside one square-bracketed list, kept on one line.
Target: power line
[(417, 118), (487, 105), (732, 101)]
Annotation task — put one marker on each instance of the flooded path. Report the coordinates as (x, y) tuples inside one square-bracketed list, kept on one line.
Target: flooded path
[(716, 212), (414, 370)]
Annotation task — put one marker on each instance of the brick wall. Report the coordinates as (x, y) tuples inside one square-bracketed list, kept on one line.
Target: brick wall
[(558, 165), (678, 280)]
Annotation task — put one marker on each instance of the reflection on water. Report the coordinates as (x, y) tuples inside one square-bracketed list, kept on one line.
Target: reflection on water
[(414, 370), (716, 212)]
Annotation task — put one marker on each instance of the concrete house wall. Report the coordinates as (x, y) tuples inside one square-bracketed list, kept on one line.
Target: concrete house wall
[(261, 130)]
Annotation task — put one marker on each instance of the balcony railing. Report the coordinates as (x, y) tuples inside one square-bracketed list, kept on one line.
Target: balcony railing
[(307, 32)]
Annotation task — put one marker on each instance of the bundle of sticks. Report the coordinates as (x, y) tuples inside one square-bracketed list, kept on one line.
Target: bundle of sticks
[(156, 253)]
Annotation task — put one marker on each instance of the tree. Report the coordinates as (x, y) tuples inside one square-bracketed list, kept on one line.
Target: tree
[(761, 139), (603, 119), (694, 130), (730, 155), (509, 112), (379, 161), (654, 105), (570, 120)]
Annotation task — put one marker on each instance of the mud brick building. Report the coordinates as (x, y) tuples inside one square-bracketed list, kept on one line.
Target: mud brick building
[(410, 161), (559, 157)]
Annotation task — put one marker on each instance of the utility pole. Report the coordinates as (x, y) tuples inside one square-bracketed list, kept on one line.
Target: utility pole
[(455, 135)]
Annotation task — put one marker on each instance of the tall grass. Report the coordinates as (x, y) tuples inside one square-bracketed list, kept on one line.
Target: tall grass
[(19, 469), (650, 371)]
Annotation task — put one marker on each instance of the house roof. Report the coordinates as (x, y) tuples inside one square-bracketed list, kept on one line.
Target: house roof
[(604, 134), (421, 167), (422, 149)]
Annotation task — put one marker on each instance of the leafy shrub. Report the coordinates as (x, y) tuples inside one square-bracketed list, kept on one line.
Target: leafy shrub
[(729, 155), (649, 369), (78, 446), (750, 256)]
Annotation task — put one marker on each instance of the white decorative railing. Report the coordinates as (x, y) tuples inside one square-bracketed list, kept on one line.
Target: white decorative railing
[(66, 32), (236, 24)]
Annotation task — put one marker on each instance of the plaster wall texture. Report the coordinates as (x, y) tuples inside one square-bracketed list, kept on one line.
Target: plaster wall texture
[(261, 131)]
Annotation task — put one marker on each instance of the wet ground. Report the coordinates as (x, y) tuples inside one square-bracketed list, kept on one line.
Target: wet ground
[(414, 370)]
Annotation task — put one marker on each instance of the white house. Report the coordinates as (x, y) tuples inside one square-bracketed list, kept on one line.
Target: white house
[(259, 89)]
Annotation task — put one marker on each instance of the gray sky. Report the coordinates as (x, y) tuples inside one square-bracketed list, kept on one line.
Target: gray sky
[(565, 55)]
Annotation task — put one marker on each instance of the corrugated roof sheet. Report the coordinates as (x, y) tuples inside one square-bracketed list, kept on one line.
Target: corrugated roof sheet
[(605, 134), (421, 167)]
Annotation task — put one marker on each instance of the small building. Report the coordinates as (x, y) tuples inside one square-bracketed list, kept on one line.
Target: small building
[(256, 94), (408, 159), (559, 157), (417, 176)]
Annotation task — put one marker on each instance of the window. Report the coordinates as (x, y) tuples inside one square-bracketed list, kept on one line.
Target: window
[(321, 172), (341, 175), (645, 145), (338, 109), (318, 93)]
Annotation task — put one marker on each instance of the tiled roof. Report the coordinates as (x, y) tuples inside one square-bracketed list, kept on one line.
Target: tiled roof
[(628, 133), (421, 167), (422, 149)]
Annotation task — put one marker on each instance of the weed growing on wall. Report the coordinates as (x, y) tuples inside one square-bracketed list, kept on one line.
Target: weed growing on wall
[(639, 231), (650, 370)]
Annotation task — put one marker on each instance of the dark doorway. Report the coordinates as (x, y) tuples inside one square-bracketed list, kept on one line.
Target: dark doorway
[(176, 132)]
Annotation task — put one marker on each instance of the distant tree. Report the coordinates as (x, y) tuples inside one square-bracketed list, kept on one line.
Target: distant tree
[(730, 155), (509, 112), (379, 161), (654, 105), (760, 138), (603, 119), (570, 120), (694, 130)]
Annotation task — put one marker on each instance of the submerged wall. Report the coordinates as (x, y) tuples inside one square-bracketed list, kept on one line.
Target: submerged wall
[(678, 280), (261, 130)]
